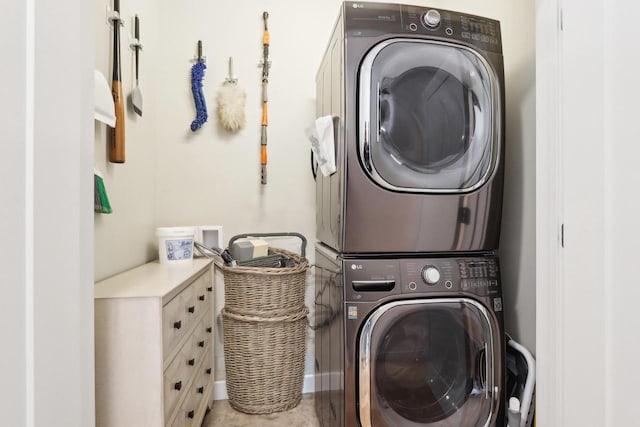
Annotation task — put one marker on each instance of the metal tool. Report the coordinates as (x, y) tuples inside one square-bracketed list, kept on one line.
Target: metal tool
[(136, 95)]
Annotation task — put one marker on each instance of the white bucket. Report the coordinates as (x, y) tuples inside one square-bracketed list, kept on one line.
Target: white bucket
[(175, 244)]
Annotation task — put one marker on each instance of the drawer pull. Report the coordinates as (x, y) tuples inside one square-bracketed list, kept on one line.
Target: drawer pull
[(190, 414), (208, 371), (178, 386), (201, 297), (191, 362), (200, 343), (209, 289), (191, 309), (209, 329), (200, 389), (177, 325)]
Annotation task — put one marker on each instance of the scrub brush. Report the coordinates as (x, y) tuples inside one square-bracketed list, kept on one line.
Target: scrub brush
[(231, 101), (100, 200)]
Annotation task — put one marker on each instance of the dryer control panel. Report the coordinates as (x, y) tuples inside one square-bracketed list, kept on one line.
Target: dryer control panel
[(371, 19)]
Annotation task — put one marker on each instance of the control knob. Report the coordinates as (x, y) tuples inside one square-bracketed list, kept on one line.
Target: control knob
[(432, 18), (431, 275)]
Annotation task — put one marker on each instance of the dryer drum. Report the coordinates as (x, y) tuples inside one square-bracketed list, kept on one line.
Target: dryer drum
[(428, 129), (427, 113), (423, 369)]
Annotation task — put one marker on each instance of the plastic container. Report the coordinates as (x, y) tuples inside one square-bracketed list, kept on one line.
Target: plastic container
[(175, 244)]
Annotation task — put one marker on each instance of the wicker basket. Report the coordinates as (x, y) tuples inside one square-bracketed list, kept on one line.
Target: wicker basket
[(264, 360), (263, 291)]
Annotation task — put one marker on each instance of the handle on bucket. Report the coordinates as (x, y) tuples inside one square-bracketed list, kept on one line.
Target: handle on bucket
[(285, 234)]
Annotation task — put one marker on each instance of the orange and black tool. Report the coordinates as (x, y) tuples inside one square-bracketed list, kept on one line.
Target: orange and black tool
[(265, 81), (116, 135)]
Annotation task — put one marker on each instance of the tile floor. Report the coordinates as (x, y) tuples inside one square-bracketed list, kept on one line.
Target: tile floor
[(223, 415)]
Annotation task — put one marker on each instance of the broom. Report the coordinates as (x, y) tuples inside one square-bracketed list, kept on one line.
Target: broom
[(231, 101)]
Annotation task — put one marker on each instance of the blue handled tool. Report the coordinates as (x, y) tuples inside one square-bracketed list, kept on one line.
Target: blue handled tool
[(197, 74)]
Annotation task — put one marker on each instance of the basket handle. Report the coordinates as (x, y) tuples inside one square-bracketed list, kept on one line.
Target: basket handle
[(286, 234)]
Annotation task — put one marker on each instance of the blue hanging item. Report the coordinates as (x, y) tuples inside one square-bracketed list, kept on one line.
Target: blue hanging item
[(197, 74)]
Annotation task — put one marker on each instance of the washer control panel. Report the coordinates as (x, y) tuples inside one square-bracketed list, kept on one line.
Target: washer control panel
[(373, 279), (477, 275)]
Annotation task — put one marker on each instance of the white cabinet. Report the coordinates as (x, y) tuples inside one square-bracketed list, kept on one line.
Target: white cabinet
[(154, 352)]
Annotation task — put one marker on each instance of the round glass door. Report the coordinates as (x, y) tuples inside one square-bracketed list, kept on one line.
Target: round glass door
[(427, 362), (429, 118)]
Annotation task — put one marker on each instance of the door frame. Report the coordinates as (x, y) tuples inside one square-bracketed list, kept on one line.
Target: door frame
[(574, 286), (549, 256)]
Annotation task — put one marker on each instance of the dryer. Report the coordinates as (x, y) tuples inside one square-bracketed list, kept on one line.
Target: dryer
[(418, 99), (409, 341)]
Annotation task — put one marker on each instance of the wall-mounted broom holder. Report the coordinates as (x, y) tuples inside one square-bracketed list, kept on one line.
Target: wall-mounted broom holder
[(134, 44), (199, 57), (113, 17), (230, 78)]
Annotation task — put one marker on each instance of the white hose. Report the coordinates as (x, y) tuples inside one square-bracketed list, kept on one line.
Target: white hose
[(527, 394)]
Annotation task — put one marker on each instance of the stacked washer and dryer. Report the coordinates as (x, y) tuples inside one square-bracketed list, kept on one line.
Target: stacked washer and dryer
[(409, 325)]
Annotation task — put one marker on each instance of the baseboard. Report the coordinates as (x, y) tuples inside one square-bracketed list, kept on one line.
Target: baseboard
[(220, 387)]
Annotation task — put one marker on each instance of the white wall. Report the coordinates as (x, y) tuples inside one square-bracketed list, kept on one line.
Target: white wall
[(12, 211), (46, 263), (124, 239), (176, 177)]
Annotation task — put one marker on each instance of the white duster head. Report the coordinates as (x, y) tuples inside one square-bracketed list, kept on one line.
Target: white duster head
[(231, 101)]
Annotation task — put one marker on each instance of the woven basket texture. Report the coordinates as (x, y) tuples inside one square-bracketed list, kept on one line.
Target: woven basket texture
[(265, 291), (264, 360)]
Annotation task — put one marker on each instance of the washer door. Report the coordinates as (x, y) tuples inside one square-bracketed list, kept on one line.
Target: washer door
[(429, 116), (428, 362)]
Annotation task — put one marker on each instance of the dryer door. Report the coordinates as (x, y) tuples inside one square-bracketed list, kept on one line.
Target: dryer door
[(428, 362), (429, 116)]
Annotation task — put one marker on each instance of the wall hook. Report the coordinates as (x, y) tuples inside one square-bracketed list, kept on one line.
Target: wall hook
[(231, 79), (200, 57), (113, 17), (134, 42)]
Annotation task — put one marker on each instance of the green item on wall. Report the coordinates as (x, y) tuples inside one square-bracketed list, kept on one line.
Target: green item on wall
[(100, 199)]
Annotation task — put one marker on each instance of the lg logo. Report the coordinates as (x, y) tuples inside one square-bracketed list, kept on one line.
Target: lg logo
[(356, 266)]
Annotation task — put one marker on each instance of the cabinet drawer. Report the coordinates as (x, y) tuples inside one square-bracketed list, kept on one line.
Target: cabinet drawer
[(185, 366), (179, 314), (203, 334), (176, 383), (199, 389), (180, 421), (204, 290)]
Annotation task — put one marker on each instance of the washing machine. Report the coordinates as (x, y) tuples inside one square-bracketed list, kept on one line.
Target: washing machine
[(417, 97), (409, 341)]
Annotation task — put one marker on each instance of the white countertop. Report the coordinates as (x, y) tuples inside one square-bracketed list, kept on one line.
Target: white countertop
[(150, 280)]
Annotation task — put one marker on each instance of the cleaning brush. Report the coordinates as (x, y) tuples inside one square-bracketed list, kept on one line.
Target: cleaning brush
[(197, 74), (231, 101)]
